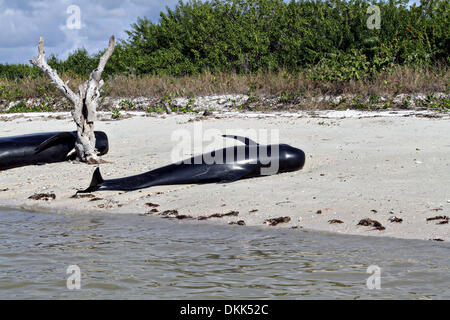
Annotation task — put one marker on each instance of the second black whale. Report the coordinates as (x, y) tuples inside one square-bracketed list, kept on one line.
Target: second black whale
[(45, 147), (246, 161)]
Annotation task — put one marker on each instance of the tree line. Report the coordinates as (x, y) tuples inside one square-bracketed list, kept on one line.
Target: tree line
[(327, 39)]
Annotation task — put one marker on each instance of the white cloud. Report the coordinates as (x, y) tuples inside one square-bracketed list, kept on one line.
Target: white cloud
[(22, 22)]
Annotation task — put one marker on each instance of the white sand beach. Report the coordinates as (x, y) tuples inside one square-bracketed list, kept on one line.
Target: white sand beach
[(359, 165)]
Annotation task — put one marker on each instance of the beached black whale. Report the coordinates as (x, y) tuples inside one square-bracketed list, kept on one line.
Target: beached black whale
[(40, 148), (225, 165)]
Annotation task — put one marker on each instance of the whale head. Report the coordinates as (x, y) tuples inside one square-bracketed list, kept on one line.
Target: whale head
[(101, 142), (290, 158)]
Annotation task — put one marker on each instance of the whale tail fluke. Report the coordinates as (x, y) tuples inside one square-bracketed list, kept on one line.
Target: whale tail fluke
[(96, 182)]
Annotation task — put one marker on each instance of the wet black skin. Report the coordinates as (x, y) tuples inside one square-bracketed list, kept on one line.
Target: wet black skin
[(41, 148), (249, 161)]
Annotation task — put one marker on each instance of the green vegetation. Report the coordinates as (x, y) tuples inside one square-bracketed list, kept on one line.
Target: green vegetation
[(116, 113), (328, 38), (127, 105), (21, 107), (441, 105)]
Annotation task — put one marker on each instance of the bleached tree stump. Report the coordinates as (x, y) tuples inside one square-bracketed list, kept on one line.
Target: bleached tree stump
[(85, 102)]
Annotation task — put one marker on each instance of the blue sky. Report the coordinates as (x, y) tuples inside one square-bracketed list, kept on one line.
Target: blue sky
[(22, 22)]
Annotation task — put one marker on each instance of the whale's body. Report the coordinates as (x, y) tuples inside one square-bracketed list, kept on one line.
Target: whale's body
[(225, 165), (41, 148)]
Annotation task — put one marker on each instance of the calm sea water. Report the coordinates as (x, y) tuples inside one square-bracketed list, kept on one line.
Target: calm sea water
[(127, 257)]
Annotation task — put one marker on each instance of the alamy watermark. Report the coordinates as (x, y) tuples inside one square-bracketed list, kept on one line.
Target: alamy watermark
[(73, 22), (74, 280), (374, 20), (374, 281), (189, 143)]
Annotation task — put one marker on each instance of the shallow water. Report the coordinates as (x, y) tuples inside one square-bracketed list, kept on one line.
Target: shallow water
[(141, 257)]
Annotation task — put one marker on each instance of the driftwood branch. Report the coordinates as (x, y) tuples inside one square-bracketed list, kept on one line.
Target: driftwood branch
[(97, 73), (95, 83), (85, 102), (39, 61)]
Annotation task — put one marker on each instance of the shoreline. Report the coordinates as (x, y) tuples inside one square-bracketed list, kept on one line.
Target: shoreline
[(360, 164), (216, 223), (313, 114)]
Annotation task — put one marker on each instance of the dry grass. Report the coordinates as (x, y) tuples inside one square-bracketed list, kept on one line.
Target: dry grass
[(400, 80)]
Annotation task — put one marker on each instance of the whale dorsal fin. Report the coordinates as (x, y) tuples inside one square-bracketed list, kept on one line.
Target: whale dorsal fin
[(96, 182), (62, 137), (244, 140)]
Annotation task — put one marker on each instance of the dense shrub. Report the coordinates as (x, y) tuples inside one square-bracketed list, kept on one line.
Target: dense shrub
[(78, 63), (329, 37), (18, 71)]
